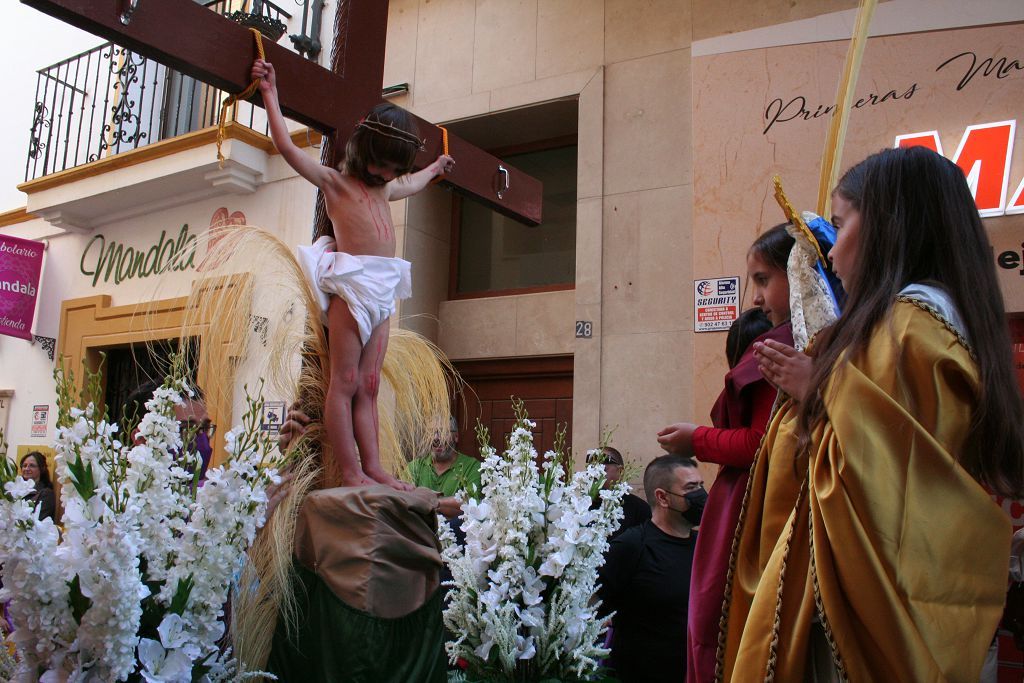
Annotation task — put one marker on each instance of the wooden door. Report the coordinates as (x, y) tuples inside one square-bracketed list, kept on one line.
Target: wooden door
[(544, 385)]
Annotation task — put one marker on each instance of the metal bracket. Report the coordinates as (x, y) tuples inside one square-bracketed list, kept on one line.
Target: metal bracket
[(128, 8), (48, 344)]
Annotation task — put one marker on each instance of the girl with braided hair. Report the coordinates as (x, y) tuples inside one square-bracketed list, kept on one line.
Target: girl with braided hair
[(356, 274)]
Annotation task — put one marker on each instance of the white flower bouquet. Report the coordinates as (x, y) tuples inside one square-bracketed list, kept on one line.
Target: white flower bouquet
[(522, 602), (134, 587)]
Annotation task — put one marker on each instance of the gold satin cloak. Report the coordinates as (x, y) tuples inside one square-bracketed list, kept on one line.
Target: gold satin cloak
[(902, 553)]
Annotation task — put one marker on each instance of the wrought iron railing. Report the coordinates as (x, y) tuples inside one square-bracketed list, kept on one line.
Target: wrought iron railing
[(109, 100)]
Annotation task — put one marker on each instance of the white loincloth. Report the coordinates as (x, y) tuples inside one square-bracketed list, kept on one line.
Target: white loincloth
[(368, 284)]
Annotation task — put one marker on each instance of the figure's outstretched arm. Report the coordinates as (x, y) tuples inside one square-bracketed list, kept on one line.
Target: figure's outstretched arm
[(411, 183), (308, 168)]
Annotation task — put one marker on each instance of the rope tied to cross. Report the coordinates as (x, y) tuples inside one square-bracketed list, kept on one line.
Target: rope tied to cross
[(444, 148), (230, 100)]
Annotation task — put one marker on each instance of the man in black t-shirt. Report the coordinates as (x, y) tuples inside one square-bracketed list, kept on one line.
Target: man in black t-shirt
[(646, 576), (634, 508)]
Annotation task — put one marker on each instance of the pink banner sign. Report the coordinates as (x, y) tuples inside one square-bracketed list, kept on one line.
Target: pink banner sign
[(21, 262)]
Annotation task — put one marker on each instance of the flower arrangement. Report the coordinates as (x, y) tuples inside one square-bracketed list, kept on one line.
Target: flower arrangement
[(522, 593), (134, 587)]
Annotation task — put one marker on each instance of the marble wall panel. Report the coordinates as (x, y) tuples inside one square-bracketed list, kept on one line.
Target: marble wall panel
[(403, 34), (637, 28), (647, 137), (647, 272), (505, 44), (645, 385), (589, 250), (714, 18), (444, 50), (478, 328), (570, 36), (545, 323), (586, 383)]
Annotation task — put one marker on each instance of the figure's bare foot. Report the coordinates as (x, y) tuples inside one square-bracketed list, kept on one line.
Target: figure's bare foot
[(382, 477), (357, 478)]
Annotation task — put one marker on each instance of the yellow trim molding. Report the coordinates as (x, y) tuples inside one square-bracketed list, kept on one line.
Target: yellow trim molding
[(15, 216)]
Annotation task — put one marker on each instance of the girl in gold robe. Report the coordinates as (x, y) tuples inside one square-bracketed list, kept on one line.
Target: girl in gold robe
[(868, 547)]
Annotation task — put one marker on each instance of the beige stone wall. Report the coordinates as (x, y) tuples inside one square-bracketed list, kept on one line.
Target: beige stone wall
[(643, 232), (712, 18), (628, 64)]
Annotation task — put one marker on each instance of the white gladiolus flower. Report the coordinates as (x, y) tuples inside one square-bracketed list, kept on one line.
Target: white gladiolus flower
[(523, 584), (19, 488), (132, 519), (163, 666)]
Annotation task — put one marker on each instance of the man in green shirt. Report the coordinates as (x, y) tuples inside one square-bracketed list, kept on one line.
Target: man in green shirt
[(444, 469)]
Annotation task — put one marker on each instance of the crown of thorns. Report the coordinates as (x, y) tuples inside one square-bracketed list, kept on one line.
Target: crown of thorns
[(389, 131)]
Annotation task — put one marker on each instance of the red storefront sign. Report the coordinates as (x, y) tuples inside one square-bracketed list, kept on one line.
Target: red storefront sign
[(21, 262)]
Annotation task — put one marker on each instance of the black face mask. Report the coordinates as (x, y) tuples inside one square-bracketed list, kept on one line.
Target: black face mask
[(696, 499)]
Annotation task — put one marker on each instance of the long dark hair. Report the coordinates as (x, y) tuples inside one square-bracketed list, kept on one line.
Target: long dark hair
[(386, 135), (44, 470), (918, 223), (773, 246), (751, 324)]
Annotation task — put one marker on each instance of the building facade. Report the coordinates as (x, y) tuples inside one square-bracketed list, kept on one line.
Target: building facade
[(656, 126)]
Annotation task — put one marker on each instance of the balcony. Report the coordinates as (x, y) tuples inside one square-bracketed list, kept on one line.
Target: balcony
[(109, 108)]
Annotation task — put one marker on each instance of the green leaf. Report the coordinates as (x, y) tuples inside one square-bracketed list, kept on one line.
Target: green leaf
[(198, 671), (83, 478), (181, 595), (79, 603)]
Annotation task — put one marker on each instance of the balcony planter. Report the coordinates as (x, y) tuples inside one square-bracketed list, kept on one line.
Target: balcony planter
[(271, 29)]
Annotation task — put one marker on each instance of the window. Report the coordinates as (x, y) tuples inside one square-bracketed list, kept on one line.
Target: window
[(499, 254), (492, 255)]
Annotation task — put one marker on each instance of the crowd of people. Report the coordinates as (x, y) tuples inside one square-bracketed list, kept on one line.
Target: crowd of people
[(816, 554)]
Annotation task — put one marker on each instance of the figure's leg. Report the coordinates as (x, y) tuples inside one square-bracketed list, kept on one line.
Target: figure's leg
[(345, 350), (364, 411)]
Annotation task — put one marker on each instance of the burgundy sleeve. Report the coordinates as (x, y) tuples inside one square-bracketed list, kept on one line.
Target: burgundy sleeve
[(736, 447)]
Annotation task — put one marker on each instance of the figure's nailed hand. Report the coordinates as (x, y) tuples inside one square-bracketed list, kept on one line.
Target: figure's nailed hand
[(264, 71), (678, 438), (295, 424), (445, 164), (785, 367)]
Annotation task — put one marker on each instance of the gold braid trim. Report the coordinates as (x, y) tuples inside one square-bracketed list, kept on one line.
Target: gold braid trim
[(773, 646), (837, 660), (938, 316), (723, 621)]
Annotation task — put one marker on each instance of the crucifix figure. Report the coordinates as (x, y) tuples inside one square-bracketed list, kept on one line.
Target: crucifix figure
[(188, 37), (355, 274)]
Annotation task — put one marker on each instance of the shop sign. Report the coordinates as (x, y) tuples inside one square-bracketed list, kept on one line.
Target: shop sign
[(984, 155), (21, 262), (118, 261), (40, 416), (716, 303)]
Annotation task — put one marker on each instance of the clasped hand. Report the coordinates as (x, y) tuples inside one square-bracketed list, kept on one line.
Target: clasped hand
[(785, 367)]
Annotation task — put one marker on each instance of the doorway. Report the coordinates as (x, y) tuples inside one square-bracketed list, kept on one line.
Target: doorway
[(544, 384)]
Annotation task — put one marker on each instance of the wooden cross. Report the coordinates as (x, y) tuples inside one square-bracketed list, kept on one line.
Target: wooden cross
[(186, 36)]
